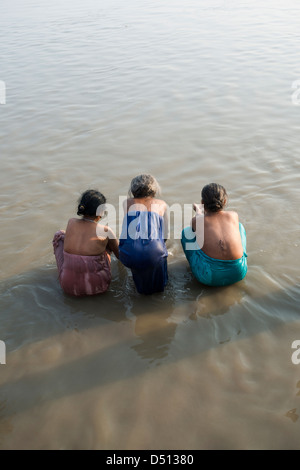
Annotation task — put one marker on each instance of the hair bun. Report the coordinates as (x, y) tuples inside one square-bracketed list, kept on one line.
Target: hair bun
[(89, 203), (81, 209)]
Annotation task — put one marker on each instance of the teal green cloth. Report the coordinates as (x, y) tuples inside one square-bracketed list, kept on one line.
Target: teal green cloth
[(211, 271)]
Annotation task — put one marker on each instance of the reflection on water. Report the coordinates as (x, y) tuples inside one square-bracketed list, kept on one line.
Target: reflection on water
[(97, 93), (79, 352), (155, 331)]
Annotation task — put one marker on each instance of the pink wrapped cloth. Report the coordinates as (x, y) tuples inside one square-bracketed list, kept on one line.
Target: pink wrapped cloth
[(81, 275)]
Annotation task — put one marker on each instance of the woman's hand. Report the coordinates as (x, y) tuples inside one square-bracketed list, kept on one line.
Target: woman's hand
[(198, 209)]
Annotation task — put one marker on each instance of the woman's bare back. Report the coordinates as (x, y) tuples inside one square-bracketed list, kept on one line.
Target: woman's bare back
[(81, 238), (146, 203), (222, 238)]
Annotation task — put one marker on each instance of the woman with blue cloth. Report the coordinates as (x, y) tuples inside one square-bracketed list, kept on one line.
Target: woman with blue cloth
[(142, 241), (222, 258)]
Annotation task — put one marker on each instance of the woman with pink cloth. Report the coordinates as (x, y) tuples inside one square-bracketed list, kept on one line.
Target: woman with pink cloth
[(83, 251)]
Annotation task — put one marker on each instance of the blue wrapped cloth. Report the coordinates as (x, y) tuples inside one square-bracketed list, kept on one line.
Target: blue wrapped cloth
[(143, 250), (211, 271)]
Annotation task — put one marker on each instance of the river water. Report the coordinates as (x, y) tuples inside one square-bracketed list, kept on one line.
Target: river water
[(192, 92)]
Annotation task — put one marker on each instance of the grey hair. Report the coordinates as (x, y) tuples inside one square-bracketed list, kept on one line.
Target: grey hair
[(144, 186)]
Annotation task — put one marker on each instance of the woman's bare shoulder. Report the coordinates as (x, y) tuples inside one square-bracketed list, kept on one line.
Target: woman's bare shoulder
[(160, 202), (232, 215), (72, 221), (160, 206), (128, 203)]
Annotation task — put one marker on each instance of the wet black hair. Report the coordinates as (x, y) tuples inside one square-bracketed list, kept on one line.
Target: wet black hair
[(89, 202), (214, 197)]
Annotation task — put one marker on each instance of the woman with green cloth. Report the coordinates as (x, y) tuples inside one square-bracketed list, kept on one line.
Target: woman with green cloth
[(222, 260)]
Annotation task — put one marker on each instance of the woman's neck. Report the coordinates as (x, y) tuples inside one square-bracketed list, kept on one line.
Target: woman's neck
[(91, 219), (212, 214)]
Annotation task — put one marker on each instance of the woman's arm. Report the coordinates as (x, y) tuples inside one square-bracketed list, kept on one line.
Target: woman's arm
[(112, 243), (198, 208)]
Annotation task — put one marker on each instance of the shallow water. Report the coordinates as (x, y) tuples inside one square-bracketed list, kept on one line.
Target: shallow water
[(193, 92)]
